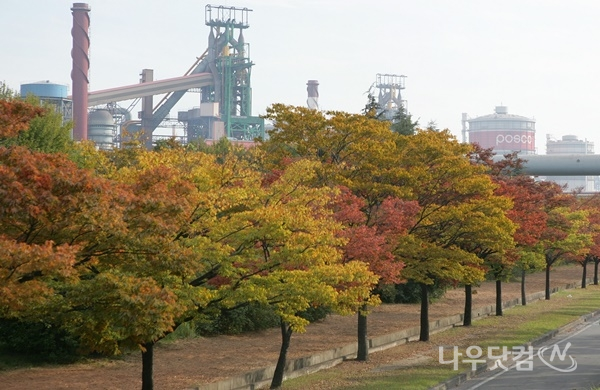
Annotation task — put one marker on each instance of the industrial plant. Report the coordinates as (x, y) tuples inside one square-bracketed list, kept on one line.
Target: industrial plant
[(221, 76)]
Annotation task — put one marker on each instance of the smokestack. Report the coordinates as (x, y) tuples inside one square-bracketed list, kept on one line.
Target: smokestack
[(81, 66), (312, 87)]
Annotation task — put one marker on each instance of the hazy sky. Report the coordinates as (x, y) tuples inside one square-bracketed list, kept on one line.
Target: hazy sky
[(539, 58)]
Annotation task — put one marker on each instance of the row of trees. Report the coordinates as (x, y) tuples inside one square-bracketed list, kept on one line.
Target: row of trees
[(119, 248)]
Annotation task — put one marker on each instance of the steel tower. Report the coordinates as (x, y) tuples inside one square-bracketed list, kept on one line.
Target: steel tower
[(230, 66), (389, 97), (226, 104)]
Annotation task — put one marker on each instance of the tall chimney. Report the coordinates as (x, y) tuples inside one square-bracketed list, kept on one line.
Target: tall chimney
[(312, 87), (81, 66)]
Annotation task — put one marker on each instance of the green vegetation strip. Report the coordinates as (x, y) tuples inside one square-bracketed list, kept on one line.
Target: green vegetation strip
[(394, 370)]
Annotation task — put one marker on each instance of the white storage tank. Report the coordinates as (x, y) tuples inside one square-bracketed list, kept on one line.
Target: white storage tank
[(101, 128)]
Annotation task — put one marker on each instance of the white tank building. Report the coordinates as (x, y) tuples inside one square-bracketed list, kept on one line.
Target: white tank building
[(102, 129), (571, 145)]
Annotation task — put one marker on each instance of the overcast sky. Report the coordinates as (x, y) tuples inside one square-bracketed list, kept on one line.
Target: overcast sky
[(539, 58)]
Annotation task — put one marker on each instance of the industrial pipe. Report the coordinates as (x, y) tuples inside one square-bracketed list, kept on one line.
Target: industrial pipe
[(560, 165)]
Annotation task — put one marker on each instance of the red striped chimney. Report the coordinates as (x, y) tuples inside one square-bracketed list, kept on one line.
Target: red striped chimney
[(81, 66)]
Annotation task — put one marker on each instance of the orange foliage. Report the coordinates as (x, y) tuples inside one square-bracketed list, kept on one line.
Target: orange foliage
[(372, 234), (15, 116)]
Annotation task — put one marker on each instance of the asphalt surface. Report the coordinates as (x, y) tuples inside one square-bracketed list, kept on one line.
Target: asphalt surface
[(568, 362)]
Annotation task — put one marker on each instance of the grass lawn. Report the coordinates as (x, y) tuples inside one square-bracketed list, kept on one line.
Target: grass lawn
[(415, 365)]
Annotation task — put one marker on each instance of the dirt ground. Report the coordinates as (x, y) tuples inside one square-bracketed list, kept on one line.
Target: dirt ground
[(191, 362)]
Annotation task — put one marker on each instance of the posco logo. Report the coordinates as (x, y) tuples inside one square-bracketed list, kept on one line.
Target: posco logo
[(514, 139)]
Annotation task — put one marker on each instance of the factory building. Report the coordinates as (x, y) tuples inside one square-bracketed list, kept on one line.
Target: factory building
[(505, 133)]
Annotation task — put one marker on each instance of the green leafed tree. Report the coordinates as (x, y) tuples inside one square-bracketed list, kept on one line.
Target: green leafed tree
[(6, 93), (403, 124), (45, 131)]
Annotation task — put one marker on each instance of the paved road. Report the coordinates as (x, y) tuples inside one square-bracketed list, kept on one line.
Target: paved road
[(580, 365)]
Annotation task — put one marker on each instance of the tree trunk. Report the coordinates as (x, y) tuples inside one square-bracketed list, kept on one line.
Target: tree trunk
[(547, 281), (523, 295), (499, 297), (147, 366), (596, 261), (468, 305), (362, 355), (424, 336), (584, 275), (286, 336)]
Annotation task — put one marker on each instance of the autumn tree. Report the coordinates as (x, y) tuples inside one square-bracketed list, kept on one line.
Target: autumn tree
[(36, 201), (359, 153), (588, 206), (564, 237), (94, 256), (120, 260), (15, 117), (233, 237), (53, 217), (46, 133), (489, 235), (27, 122), (286, 241), (372, 238), (592, 206), (455, 196), (527, 212)]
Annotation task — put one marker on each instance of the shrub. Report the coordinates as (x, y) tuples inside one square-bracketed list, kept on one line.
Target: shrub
[(39, 341), (409, 292), (251, 317)]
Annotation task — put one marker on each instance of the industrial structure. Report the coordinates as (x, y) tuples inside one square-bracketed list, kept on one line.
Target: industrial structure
[(102, 128), (571, 145), (222, 75), (53, 94), (505, 133), (389, 95), (312, 88), (80, 69), (226, 103)]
